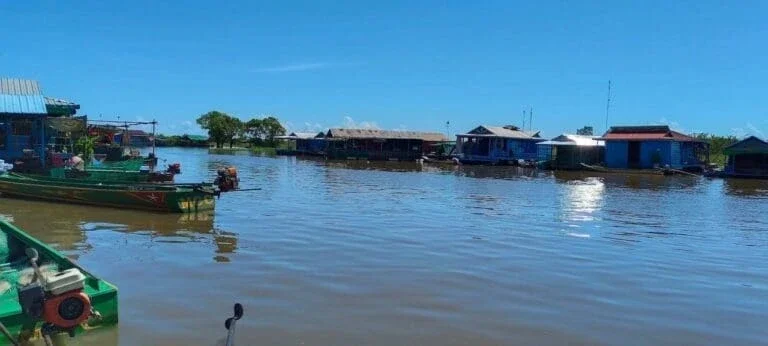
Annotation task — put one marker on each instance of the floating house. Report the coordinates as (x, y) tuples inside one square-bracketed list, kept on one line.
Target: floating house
[(23, 114), (567, 151), (304, 143), (134, 138), (372, 144), (747, 159), (497, 145), (646, 147)]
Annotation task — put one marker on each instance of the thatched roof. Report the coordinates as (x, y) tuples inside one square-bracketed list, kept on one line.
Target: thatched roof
[(385, 134)]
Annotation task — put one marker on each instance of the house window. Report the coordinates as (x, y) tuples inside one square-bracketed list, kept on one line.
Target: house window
[(22, 127)]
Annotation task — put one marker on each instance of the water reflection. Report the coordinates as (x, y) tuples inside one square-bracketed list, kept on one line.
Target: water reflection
[(746, 187), (582, 199), (631, 181), (67, 226)]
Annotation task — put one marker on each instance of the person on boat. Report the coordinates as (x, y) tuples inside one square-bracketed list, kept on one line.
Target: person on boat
[(77, 163)]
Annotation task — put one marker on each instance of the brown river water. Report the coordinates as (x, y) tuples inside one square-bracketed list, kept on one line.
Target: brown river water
[(401, 254)]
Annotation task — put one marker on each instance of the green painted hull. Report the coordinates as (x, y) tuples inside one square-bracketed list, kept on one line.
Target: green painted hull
[(13, 243), (173, 198), (125, 165), (100, 175)]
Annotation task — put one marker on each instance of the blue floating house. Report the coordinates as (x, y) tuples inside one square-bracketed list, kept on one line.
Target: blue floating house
[(497, 145), (22, 120), (747, 159), (645, 147)]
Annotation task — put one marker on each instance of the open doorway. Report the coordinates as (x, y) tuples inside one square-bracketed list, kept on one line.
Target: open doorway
[(633, 155)]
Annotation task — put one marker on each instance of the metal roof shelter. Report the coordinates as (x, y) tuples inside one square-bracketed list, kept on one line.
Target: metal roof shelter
[(508, 131), (21, 96), (385, 134), (645, 133), (574, 140)]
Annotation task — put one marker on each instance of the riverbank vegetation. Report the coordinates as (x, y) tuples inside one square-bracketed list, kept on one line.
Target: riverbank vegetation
[(225, 129), (716, 146)]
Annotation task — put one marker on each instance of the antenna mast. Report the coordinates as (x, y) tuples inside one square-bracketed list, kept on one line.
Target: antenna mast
[(530, 122), (523, 120), (608, 105)]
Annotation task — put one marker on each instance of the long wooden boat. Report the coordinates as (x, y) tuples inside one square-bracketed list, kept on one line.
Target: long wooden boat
[(174, 198), (658, 171), (94, 174), (30, 307)]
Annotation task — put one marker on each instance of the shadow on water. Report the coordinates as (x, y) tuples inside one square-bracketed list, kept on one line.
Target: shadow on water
[(746, 188), (479, 171)]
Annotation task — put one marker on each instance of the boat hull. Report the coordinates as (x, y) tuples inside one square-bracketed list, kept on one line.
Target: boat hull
[(168, 198), (102, 294)]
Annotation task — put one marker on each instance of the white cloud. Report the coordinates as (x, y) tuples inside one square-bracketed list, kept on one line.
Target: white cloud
[(293, 67), (749, 129), (352, 124)]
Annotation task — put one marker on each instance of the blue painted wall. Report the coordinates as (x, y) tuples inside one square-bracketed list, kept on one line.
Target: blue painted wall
[(505, 149), (664, 148), (616, 154)]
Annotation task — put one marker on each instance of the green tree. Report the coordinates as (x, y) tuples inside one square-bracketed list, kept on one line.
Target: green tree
[(264, 131), (85, 146), (272, 129), (716, 146), (255, 131), (222, 127), (234, 129)]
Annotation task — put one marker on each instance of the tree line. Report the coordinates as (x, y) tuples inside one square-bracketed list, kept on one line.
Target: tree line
[(716, 146), (226, 129)]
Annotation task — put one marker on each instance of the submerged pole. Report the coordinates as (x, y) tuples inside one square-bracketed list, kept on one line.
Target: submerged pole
[(154, 137)]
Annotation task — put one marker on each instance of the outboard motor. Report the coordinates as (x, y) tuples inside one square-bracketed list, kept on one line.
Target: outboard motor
[(59, 300), (226, 179), (174, 168)]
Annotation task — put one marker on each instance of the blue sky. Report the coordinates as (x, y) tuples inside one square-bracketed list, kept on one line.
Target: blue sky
[(700, 66)]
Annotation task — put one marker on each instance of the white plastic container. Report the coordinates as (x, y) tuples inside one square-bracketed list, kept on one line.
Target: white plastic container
[(65, 281)]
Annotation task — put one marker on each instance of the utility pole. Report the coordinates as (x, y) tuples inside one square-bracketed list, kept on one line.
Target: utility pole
[(608, 106), (530, 123), (523, 120)]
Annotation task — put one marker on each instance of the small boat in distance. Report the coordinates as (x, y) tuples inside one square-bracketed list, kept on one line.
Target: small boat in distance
[(173, 198), (43, 293)]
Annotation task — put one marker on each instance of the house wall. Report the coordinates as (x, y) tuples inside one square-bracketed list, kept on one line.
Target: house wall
[(14, 140), (664, 148), (616, 154)]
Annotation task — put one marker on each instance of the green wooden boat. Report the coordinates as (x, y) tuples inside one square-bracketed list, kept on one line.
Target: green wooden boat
[(99, 175), (16, 275), (174, 198), (125, 165)]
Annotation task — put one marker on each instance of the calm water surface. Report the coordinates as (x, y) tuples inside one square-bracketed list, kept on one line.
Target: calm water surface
[(399, 254)]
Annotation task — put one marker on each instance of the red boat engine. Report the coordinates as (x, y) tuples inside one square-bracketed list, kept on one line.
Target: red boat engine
[(174, 168), (226, 179)]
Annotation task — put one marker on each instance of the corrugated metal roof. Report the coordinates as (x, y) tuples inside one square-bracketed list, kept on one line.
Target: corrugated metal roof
[(21, 96), (574, 140), (50, 101), (386, 134), (645, 133), (303, 135), (502, 131)]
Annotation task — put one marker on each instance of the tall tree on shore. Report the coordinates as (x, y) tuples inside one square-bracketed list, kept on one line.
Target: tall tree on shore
[(221, 127), (272, 129), (264, 131)]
